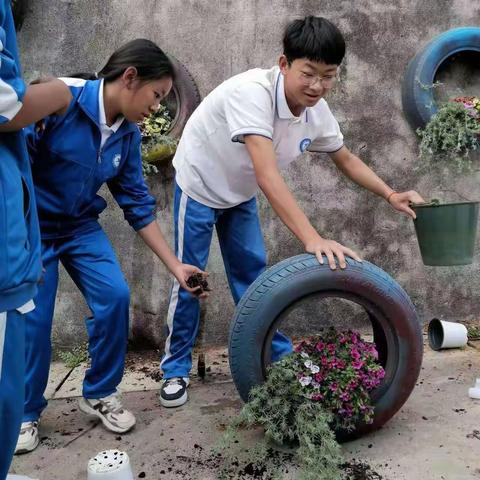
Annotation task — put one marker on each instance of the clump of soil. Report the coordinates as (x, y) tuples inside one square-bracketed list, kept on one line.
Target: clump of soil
[(360, 471), (198, 280)]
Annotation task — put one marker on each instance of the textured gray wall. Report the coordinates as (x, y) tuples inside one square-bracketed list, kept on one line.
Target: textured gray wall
[(216, 39)]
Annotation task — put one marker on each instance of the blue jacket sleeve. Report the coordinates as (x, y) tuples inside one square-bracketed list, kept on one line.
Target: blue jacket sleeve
[(130, 190), (33, 134), (12, 87)]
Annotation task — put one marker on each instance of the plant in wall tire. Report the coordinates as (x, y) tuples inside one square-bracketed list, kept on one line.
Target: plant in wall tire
[(157, 147), (162, 130), (452, 135)]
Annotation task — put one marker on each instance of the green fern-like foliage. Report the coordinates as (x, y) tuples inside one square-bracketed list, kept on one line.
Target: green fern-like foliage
[(450, 138), (287, 419)]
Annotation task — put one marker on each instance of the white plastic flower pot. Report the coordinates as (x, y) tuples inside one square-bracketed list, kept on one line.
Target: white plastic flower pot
[(474, 392), (443, 334), (110, 465)]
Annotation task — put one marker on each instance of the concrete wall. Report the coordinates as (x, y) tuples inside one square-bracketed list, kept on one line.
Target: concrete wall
[(219, 38)]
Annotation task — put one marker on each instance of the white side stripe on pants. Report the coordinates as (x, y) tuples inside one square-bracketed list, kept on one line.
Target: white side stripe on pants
[(3, 326), (174, 296)]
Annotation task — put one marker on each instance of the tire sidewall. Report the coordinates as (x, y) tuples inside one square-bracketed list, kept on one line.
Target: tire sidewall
[(417, 87), (267, 298), (187, 95)]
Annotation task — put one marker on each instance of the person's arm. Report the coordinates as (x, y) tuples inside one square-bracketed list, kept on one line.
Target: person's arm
[(351, 166), (38, 102), (152, 236), (272, 184), (130, 191)]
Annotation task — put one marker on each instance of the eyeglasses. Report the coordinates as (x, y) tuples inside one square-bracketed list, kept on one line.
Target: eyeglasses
[(309, 80)]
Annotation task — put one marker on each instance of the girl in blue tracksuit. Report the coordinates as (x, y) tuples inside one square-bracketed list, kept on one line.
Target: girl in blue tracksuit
[(97, 141), (19, 234)]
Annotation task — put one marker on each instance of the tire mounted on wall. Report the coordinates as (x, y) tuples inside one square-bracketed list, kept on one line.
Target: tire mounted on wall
[(186, 96), (396, 327), (417, 87)]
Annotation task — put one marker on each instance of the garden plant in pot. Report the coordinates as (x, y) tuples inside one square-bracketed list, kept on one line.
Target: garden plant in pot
[(446, 232)]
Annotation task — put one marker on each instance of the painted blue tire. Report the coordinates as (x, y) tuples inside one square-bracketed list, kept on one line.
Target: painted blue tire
[(417, 92), (396, 327)]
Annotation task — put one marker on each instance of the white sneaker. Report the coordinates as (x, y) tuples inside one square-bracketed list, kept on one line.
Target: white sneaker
[(173, 392), (110, 411), (28, 438)]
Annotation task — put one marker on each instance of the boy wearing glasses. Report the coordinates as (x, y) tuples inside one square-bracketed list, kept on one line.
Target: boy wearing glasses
[(238, 139)]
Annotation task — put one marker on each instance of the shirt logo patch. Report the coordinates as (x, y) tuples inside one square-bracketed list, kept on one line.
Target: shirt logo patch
[(116, 160), (304, 144)]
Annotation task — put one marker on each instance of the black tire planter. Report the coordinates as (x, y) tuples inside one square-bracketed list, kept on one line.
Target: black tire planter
[(396, 327), (182, 100), (19, 11), (417, 86)]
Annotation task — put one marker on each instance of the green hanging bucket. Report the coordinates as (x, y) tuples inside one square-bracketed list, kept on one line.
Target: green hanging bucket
[(446, 232)]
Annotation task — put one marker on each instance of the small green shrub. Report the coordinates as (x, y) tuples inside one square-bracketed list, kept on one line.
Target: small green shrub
[(76, 356), (450, 138), (157, 146)]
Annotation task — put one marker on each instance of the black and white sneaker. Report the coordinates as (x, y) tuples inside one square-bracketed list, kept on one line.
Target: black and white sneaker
[(173, 392), (110, 411)]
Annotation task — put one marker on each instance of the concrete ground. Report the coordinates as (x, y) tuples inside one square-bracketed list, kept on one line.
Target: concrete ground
[(435, 436)]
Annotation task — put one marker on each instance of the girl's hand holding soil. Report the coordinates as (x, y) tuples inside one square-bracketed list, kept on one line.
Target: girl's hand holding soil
[(192, 279)]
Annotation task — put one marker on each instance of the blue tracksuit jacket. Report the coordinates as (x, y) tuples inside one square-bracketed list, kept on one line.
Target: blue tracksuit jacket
[(19, 236), (69, 168)]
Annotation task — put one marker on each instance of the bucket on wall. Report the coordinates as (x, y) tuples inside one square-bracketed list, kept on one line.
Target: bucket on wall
[(443, 334), (110, 465), (446, 232)]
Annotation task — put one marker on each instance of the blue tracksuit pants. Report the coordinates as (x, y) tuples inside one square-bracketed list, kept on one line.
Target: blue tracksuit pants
[(91, 263), (244, 257), (12, 368)]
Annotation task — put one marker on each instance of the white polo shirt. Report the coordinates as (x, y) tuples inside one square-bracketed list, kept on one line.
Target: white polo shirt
[(212, 164)]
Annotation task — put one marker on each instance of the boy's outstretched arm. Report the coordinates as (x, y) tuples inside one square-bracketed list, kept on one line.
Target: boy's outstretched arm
[(350, 165), (275, 189)]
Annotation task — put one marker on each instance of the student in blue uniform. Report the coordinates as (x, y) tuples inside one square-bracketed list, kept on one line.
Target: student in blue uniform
[(20, 266), (97, 141), (238, 139)]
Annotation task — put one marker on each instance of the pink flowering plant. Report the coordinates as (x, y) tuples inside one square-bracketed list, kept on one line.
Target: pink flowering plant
[(339, 370), (471, 105), (323, 386)]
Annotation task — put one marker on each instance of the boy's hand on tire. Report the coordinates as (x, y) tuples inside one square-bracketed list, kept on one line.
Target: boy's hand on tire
[(192, 279), (331, 249)]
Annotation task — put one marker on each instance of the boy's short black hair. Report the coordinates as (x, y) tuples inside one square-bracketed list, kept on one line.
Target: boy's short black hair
[(314, 38)]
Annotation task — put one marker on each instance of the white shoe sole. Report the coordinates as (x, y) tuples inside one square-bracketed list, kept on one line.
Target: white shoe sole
[(86, 408), (27, 448), (178, 402)]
